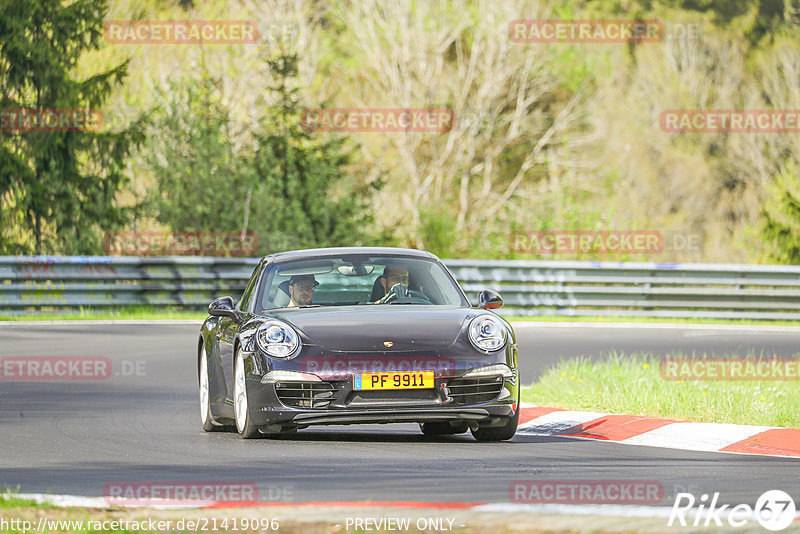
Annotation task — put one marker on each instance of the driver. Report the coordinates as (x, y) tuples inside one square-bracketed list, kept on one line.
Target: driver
[(395, 283), (301, 290)]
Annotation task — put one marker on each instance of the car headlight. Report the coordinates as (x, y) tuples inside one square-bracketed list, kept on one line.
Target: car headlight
[(487, 333), (278, 339)]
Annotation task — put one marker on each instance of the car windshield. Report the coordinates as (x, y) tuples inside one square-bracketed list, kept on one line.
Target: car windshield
[(349, 280)]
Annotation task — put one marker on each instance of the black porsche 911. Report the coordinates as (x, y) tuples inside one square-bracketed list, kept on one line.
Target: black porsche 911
[(357, 335)]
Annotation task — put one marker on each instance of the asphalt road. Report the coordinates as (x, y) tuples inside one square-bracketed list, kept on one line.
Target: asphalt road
[(142, 424)]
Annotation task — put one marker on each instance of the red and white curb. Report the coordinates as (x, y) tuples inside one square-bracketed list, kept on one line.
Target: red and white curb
[(655, 432)]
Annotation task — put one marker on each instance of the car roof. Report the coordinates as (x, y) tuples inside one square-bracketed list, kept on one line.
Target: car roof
[(338, 251)]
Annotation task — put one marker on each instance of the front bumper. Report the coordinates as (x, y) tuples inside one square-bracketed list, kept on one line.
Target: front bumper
[(485, 401)]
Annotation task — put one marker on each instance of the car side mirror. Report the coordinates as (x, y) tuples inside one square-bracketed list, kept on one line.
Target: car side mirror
[(223, 307), (490, 300)]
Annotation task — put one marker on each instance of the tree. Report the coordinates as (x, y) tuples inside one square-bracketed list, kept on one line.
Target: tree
[(305, 196), (202, 179), (512, 110), (58, 189), (289, 188), (781, 216)]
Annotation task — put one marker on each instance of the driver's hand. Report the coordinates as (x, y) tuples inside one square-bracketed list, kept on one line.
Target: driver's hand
[(398, 291)]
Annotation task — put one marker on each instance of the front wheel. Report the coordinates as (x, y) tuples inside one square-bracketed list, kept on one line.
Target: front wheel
[(240, 406), (498, 433)]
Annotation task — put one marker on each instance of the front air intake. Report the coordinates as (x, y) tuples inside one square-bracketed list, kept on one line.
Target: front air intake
[(467, 391), (312, 395)]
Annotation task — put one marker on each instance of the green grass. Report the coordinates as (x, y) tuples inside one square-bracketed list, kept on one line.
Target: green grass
[(15, 511), (9, 499), (126, 313), (633, 385), (645, 320)]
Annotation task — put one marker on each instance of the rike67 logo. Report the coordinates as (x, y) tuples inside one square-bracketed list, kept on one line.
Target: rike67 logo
[(775, 510)]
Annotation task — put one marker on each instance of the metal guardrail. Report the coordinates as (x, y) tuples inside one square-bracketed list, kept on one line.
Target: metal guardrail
[(28, 284), (90, 281)]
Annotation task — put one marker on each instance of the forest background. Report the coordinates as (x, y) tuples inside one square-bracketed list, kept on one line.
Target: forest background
[(546, 136)]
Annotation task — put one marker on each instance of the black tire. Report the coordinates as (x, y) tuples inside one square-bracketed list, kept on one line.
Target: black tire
[(241, 404), (442, 429), (498, 433)]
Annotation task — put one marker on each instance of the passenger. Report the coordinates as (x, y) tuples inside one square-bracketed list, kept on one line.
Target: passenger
[(301, 290)]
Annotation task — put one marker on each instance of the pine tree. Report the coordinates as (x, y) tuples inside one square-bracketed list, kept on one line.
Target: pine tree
[(202, 179), (58, 189), (305, 197)]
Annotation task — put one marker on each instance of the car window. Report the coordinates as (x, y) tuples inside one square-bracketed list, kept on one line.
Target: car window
[(247, 294), (350, 280)]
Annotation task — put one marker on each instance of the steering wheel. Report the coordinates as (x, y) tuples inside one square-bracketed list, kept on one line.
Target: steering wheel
[(413, 297), (400, 293)]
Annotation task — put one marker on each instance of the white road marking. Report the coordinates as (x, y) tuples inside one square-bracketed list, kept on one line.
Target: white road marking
[(709, 437), (67, 501)]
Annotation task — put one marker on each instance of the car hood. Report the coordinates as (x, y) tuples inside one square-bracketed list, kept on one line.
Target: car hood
[(382, 328)]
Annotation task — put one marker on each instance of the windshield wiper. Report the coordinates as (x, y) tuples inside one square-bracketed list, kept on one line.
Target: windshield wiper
[(309, 306)]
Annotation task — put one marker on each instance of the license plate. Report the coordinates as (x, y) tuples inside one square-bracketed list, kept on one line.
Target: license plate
[(398, 380)]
